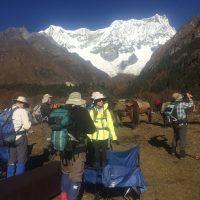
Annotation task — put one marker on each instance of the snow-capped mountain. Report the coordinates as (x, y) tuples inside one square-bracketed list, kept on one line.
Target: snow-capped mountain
[(123, 47)]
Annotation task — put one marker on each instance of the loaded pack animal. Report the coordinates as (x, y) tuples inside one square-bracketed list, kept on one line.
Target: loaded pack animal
[(119, 111), (132, 108)]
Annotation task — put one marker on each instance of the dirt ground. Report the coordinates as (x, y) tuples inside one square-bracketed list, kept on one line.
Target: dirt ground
[(166, 175)]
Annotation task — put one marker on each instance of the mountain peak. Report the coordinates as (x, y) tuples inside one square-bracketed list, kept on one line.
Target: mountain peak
[(123, 47)]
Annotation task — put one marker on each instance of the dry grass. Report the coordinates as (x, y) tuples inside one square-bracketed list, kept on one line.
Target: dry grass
[(167, 176)]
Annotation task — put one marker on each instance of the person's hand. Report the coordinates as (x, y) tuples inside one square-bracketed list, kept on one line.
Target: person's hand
[(189, 96), (55, 105), (116, 142)]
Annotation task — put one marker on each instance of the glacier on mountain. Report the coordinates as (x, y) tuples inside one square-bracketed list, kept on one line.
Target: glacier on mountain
[(123, 47)]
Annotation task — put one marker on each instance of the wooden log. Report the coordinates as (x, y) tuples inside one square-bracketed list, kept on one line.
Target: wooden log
[(41, 183)]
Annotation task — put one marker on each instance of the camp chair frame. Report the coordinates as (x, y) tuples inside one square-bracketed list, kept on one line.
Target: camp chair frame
[(129, 192)]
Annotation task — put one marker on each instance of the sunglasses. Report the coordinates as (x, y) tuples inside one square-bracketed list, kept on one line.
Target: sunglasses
[(99, 100)]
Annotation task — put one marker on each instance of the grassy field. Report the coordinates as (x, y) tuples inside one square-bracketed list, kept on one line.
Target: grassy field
[(167, 176)]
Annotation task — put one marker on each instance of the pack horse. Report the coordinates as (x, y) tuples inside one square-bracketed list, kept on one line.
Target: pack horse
[(132, 108)]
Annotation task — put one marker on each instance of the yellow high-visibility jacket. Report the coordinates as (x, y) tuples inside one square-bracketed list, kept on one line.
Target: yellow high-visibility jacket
[(103, 122)]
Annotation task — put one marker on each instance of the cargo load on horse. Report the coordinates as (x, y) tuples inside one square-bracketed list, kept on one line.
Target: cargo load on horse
[(132, 108)]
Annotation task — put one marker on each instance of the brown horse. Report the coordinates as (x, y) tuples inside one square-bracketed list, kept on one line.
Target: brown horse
[(132, 108), (119, 111)]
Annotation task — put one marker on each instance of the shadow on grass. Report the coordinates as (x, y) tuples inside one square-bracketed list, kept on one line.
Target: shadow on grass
[(160, 141), (35, 161), (129, 125)]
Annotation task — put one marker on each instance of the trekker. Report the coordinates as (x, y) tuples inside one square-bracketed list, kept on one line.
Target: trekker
[(46, 107), (100, 140), (19, 150), (180, 127), (81, 125)]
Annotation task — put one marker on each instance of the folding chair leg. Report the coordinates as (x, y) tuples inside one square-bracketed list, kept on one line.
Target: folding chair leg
[(97, 196), (128, 191), (103, 194)]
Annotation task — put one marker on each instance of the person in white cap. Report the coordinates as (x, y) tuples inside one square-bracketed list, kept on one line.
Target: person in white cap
[(90, 104), (19, 150), (100, 139), (46, 109), (46, 105), (81, 125), (180, 126)]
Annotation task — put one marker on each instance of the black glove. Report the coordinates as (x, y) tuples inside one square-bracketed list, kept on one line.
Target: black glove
[(116, 142)]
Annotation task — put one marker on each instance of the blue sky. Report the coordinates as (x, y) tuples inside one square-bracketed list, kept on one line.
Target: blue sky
[(36, 15)]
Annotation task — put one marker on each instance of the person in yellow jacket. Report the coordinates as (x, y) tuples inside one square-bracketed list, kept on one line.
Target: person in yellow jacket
[(105, 132)]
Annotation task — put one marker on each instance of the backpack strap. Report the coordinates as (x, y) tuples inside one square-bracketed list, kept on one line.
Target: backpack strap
[(174, 112), (95, 113)]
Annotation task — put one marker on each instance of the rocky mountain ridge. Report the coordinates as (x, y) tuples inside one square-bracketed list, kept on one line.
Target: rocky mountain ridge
[(123, 47), (176, 65), (34, 58)]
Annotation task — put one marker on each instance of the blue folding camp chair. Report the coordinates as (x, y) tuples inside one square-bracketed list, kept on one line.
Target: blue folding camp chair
[(121, 174)]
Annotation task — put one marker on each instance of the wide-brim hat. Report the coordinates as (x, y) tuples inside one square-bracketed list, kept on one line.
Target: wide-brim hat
[(46, 98), (177, 97), (94, 94), (21, 99), (99, 96), (75, 99)]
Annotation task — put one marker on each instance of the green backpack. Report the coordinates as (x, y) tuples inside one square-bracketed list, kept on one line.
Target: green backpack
[(59, 140), (58, 121)]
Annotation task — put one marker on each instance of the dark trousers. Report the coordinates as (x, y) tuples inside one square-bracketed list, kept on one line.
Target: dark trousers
[(18, 153), (179, 135), (96, 155)]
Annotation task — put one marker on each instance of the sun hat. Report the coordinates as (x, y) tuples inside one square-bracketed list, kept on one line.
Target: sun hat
[(95, 94), (46, 97), (75, 99), (99, 96), (177, 96), (21, 99)]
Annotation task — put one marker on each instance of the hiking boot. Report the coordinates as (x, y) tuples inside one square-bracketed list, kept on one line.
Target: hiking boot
[(173, 151), (182, 154)]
